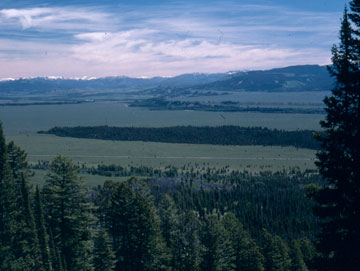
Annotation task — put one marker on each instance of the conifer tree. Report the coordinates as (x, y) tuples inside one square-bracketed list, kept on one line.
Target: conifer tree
[(185, 243), (339, 159), (217, 252), (169, 219), (41, 231), (7, 205), (55, 258), (24, 243), (276, 253), (104, 257), (68, 212), (297, 258), (247, 254), (17, 161), (135, 232), (308, 250)]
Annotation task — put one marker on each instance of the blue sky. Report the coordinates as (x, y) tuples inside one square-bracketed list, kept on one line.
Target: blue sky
[(163, 38)]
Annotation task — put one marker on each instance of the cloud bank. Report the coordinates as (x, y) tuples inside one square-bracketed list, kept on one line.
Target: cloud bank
[(161, 40)]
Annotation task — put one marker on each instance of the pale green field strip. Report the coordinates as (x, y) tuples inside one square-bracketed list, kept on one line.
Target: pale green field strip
[(174, 157), (24, 119), (159, 155)]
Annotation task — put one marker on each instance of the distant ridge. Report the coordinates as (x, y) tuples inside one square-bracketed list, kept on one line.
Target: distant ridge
[(294, 78)]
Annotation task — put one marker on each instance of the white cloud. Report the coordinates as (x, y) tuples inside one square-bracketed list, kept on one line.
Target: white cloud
[(164, 41), (55, 18)]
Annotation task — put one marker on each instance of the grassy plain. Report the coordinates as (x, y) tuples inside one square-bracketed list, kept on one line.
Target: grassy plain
[(21, 123), (159, 155), (32, 118)]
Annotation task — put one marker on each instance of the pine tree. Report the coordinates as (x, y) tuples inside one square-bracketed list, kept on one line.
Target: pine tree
[(135, 232), (217, 252), (41, 231), (17, 161), (68, 211), (339, 159), (308, 250), (185, 243), (104, 257), (55, 258), (276, 253), (247, 254), (297, 258), (7, 205), (24, 243)]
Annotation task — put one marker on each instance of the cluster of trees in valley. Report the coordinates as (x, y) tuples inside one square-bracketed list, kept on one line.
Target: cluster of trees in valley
[(161, 103), (220, 135)]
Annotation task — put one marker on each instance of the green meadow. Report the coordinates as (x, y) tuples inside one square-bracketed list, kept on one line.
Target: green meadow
[(22, 122)]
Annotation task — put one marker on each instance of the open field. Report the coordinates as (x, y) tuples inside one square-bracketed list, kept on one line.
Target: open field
[(32, 118), (158, 155), (21, 123)]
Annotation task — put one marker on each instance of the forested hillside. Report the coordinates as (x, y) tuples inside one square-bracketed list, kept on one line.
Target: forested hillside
[(175, 220)]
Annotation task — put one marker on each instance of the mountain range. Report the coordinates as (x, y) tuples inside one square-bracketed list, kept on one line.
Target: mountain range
[(294, 78)]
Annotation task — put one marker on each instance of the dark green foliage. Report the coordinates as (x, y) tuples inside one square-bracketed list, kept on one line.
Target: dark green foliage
[(24, 243), (7, 205), (276, 253), (17, 161), (41, 231), (297, 258), (275, 201), (339, 160), (222, 135), (55, 258), (19, 248), (247, 254), (217, 253), (135, 232), (185, 244), (308, 250), (104, 257), (68, 212)]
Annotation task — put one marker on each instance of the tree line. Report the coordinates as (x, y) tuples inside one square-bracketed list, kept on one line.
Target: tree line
[(221, 135)]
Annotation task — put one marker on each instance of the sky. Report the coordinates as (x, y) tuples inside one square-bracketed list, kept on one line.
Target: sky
[(163, 37)]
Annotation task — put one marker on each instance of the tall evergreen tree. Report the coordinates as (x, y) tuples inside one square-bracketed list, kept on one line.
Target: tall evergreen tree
[(68, 213), (185, 243), (276, 253), (308, 250), (104, 257), (339, 159), (297, 258), (217, 252), (7, 205), (17, 161), (41, 231), (55, 258), (247, 254), (24, 243), (135, 232)]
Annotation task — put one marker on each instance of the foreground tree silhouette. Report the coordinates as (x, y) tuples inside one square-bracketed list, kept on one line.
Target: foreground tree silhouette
[(68, 212), (339, 160), (134, 231)]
